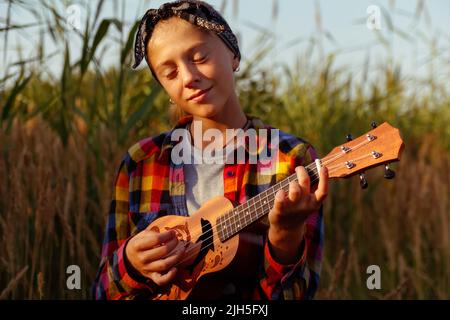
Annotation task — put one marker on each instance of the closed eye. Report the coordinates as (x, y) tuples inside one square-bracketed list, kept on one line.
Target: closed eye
[(170, 74), (200, 59)]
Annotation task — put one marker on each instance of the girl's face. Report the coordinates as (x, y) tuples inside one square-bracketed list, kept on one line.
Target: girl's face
[(194, 66)]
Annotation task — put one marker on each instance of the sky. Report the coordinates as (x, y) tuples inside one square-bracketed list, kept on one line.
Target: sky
[(347, 26)]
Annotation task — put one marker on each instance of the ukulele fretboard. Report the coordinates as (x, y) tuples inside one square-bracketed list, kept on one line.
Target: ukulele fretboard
[(257, 207)]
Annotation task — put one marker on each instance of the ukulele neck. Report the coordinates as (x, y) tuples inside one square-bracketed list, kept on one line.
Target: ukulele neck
[(240, 217)]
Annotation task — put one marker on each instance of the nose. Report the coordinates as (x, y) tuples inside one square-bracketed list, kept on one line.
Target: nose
[(190, 75)]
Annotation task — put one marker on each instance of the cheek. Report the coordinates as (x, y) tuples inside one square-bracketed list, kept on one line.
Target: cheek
[(219, 68), (221, 73), (173, 89), (208, 71), (225, 80)]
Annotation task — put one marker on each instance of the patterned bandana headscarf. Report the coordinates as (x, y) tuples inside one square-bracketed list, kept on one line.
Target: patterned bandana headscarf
[(196, 12)]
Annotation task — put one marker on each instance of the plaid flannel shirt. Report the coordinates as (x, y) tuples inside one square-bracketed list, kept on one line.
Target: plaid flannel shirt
[(148, 185)]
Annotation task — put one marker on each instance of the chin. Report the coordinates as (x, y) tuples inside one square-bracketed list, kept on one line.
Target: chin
[(206, 110)]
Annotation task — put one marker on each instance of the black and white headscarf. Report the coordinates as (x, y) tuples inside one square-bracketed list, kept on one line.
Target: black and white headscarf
[(196, 12)]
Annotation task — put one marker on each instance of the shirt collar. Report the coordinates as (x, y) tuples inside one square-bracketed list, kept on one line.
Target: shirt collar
[(168, 143)]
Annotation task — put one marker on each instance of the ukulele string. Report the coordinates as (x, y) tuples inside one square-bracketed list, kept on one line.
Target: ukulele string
[(312, 166), (270, 195), (218, 240), (326, 160), (336, 166)]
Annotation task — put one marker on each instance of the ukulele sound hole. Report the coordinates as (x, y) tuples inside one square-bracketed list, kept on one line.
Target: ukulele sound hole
[(207, 243)]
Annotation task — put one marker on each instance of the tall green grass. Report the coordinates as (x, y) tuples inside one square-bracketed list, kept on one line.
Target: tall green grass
[(62, 138)]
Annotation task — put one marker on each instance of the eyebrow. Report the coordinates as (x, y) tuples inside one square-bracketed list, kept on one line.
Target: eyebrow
[(192, 48)]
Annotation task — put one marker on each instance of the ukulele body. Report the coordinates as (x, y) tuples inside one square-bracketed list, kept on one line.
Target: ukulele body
[(209, 263)]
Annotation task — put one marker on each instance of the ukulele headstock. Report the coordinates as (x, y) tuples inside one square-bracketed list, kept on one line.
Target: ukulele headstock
[(379, 146)]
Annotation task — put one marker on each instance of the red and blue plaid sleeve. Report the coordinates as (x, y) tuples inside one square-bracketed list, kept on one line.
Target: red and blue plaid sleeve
[(299, 280), (112, 280)]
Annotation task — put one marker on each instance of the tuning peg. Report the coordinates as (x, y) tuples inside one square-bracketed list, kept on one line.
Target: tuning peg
[(349, 137), (388, 173), (363, 181), (373, 124)]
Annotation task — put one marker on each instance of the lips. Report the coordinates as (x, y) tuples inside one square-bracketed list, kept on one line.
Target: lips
[(199, 95)]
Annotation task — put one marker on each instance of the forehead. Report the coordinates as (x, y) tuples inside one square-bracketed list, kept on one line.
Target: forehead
[(176, 35)]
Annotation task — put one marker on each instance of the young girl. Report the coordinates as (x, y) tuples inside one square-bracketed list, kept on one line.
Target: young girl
[(193, 54)]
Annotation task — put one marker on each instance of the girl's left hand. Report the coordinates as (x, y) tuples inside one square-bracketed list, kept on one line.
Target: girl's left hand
[(290, 212)]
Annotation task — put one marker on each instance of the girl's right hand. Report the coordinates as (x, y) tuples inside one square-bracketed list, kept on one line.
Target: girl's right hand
[(155, 255)]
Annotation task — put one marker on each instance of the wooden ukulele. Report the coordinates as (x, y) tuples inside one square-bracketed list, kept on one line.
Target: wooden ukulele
[(216, 236)]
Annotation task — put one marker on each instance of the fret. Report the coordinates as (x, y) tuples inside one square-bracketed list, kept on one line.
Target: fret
[(223, 226), (237, 221), (247, 217), (252, 214), (230, 224), (227, 223), (257, 203), (233, 228), (313, 175), (220, 229), (244, 211), (253, 208), (265, 204)]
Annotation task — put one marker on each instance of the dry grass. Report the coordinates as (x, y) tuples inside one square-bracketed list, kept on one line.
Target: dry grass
[(50, 217), (400, 225)]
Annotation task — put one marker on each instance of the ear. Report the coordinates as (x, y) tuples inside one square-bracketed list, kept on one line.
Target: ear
[(235, 63)]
